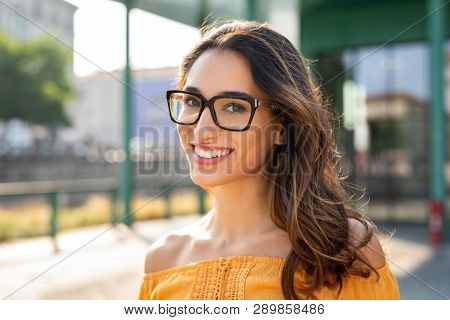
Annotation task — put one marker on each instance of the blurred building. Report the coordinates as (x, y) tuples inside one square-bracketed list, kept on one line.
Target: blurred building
[(27, 19), (95, 139), (396, 163), (97, 111)]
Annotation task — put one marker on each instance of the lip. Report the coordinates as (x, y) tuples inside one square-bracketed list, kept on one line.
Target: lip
[(214, 160)]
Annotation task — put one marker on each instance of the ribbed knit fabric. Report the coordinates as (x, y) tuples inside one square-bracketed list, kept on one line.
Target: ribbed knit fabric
[(253, 278)]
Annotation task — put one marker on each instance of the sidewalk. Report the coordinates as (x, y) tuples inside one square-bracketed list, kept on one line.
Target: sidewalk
[(422, 271), (97, 262), (101, 262)]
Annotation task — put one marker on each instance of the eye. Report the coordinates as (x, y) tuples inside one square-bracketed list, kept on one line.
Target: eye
[(235, 108), (192, 102)]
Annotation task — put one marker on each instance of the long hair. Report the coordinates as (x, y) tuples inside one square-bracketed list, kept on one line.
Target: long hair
[(304, 185)]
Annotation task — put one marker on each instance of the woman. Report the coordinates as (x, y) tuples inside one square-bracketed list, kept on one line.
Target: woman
[(258, 135)]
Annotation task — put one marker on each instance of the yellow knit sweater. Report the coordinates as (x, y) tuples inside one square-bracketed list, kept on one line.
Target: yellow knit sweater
[(253, 278)]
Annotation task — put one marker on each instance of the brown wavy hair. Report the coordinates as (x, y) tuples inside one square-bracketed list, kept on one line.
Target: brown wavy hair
[(306, 190)]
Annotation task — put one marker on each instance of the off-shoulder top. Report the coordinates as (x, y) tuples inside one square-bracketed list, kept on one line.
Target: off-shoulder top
[(253, 278)]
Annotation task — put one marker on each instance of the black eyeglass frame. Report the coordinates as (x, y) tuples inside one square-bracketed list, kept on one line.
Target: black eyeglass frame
[(254, 103)]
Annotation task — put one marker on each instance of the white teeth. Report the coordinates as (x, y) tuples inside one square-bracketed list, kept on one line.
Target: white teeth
[(208, 153)]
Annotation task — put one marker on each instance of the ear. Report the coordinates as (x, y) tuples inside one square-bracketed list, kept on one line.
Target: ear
[(279, 132)]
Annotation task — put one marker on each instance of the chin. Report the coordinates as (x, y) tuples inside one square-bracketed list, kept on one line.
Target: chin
[(211, 179)]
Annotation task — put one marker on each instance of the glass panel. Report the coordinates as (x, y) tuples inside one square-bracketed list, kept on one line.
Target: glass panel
[(386, 101)]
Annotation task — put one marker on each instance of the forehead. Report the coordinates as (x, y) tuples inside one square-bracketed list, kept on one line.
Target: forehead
[(216, 71)]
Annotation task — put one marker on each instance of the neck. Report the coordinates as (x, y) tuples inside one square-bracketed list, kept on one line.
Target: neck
[(240, 210)]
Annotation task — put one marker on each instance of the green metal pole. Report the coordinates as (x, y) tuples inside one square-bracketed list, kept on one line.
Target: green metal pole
[(299, 26), (53, 199), (203, 10), (250, 10), (201, 201), (306, 50), (437, 124), (113, 199), (127, 165), (167, 194)]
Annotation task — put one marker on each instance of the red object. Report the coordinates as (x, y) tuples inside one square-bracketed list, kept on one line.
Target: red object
[(435, 222)]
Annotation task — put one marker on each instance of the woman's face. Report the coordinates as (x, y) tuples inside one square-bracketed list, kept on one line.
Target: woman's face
[(217, 156)]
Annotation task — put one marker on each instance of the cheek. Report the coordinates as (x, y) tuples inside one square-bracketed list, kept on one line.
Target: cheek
[(253, 147), (184, 133)]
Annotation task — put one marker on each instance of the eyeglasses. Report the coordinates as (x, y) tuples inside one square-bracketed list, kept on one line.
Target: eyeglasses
[(229, 112)]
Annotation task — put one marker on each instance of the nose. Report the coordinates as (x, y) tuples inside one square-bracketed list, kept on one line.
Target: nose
[(206, 127)]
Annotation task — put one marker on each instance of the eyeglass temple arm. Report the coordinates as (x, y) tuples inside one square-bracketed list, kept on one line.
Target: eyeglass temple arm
[(266, 105)]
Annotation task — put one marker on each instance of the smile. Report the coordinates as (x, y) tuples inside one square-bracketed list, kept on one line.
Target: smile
[(210, 155)]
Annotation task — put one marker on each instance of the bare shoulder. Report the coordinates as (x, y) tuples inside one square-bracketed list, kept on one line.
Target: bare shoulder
[(169, 250), (372, 251), (163, 253)]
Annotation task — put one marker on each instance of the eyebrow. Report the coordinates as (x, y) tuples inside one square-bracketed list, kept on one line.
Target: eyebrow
[(231, 93)]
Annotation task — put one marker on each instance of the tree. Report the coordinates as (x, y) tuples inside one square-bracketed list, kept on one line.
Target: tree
[(34, 82)]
